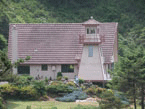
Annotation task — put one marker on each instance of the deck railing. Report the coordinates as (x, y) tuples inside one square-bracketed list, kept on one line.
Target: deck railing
[(89, 39)]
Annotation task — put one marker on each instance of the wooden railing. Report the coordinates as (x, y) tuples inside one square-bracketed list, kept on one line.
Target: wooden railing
[(89, 39)]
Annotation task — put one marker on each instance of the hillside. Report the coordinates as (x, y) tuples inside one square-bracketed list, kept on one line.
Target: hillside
[(128, 13)]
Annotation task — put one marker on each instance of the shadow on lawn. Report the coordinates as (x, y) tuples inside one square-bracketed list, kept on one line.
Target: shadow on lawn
[(12, 105)]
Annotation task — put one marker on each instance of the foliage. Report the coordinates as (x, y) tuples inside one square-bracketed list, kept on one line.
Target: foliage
[(23, 80), (56, 88), (113, 100), (95, 90), (75, 95), (6, 67), (128, 75), (46, 80), (11, 91), (59, 74), (40, 87), (81, 81), (65, 77), (3, 42), (71, 83), (59, 78)]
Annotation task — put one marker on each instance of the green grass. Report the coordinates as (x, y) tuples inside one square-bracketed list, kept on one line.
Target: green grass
[(44, 104)]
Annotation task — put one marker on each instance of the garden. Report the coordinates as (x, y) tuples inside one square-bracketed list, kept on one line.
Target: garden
[(27, 93)]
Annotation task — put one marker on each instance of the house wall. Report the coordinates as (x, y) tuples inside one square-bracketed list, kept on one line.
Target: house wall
[(35, 70), (91, 67)]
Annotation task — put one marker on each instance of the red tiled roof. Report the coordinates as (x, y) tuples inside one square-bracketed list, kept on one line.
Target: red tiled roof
[(56, 43)]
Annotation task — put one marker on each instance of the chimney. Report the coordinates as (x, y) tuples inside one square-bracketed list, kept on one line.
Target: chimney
[(14, 46)]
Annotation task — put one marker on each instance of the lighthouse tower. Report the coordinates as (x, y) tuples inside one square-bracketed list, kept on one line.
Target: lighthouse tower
[(91, 64)]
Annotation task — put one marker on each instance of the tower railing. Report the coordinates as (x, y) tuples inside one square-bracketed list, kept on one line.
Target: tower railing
[(89, 39)]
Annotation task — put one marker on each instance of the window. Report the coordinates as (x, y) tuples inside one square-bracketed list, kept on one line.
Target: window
[(67, 68), (90, 51), (91, 30), (44, 67), (23, 69)]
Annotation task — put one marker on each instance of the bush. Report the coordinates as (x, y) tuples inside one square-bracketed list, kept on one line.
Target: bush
[(59, 74), (71, 83), (40, 87), (24, 80), (65, 77), (56, 83), (46, 80), (59, 78), (56, 88), (81, 81), (90, 91), (113, 99), (11, 91), (95, 90), (28, 92), (75, 95)]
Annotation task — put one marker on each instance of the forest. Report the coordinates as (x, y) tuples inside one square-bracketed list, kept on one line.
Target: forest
[(130, 15)]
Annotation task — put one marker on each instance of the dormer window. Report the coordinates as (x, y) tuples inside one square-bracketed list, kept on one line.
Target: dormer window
[(91, 30)]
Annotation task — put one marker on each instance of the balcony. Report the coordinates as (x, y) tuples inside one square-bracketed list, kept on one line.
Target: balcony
[(89, 39)]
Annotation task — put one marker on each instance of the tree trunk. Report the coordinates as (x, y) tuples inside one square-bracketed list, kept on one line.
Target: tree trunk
[(142, 96), (134, 95)]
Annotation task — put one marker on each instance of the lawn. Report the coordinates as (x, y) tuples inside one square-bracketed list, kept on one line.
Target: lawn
[(44, 104)]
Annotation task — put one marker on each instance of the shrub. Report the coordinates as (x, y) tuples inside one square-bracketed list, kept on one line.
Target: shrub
[(65, 77), (113, 99), (24, 80), (56, 83), (59, 78), (40, 87), (83, 87), (81, 81), (59, 74), (28, 92), (46, 80), (90, 91), (58, 88), (71, 83), (73, 96), (99, 90), (11, 91), (95, 90)]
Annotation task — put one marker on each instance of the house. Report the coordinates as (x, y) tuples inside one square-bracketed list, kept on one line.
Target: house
[(85, 49)]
